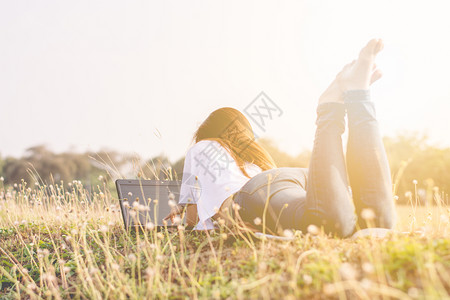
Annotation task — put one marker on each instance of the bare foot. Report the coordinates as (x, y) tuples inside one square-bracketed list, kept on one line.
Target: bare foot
[(357, 75), (334, 92), (363, 72)]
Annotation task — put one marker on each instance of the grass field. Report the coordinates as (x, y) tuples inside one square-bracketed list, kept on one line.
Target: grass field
[(58, 243)]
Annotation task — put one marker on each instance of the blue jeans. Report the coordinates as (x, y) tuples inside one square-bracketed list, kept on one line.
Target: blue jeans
[(320, 195)]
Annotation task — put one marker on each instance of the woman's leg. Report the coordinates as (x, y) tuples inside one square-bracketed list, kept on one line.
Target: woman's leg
[(328, 202), (367, 164)]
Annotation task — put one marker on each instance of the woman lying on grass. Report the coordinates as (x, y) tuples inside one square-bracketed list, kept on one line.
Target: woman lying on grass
[(227, 169)]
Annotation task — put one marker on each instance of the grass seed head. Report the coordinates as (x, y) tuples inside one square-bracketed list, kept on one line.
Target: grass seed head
[(288, 233), (368, 214), (347, 271), (313, 229), (307, 279)]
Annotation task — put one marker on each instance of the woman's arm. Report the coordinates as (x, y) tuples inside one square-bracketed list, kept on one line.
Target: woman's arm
[(191, 215), (225, 211)]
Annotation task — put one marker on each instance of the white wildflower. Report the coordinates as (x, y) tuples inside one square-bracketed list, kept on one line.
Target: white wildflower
[(368, 214), (132, 257), (257, 221), (366, 283), (288, 233), (313, 229), (347, 271), (176, 220), (368, 268), (329, 289), (307, 279), (143, 207)]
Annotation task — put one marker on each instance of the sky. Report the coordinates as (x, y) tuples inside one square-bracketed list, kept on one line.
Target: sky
[(140, 76)]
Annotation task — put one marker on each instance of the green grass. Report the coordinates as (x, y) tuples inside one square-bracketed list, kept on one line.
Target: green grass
[(59, 244)]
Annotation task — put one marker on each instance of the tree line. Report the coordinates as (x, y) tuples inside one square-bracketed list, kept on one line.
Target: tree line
[(417, 167)]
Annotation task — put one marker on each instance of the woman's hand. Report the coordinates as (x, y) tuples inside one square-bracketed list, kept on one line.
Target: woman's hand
[(174, 211)]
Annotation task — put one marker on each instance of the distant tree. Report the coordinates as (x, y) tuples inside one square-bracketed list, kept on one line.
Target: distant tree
[(116, 164), (42, 165), (14, 170), (412, 158), (177, 168), (283, 159), (158, 167), (2, 163)]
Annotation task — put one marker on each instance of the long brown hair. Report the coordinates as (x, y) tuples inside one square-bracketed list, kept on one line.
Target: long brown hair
[(232, 130)]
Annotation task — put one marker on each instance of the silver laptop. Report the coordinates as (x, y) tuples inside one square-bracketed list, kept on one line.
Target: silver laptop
[(145, 203)]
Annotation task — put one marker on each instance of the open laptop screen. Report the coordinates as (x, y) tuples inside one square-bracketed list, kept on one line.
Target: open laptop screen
[(145, 201)]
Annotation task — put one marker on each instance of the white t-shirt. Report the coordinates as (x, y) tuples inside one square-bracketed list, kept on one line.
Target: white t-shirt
[(210, 176)]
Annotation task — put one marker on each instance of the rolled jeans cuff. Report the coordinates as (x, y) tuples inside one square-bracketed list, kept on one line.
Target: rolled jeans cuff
[(330, 113), (356, 96)]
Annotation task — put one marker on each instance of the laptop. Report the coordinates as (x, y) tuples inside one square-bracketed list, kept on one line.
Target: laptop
[(145, 203)]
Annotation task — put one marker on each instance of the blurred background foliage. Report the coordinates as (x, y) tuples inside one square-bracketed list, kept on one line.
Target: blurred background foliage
[(410, 155)]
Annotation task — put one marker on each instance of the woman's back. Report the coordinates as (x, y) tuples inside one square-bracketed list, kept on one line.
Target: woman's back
[(210, 176)]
